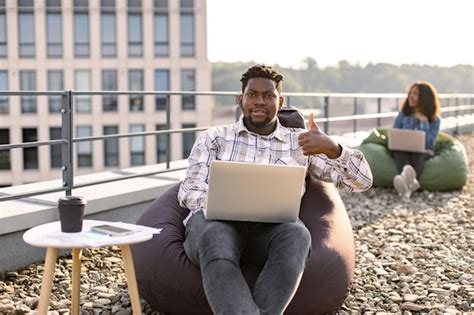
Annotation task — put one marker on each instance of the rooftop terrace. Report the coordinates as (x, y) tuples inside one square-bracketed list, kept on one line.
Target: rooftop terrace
[(414, 256)]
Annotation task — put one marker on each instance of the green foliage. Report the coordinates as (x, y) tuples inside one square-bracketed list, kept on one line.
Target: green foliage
[(348, 78)]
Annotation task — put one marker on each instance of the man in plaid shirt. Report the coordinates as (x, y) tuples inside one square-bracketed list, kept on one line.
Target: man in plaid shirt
[(282, 249)]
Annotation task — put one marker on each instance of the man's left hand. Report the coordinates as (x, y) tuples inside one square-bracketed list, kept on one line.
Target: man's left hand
[(315, 141)]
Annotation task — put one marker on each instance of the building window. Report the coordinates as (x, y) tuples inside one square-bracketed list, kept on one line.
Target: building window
[(54, 29), (108, 36), (186, 4), (28, 83), (84, 149), (55, 149), (81, 28), (4, 107), (135, 83), (161, 35), (187, 34), (137, 4), (135, 28), (82, 82), (188, 102), (55, 83), (3, 31), (109, 83), (5, 154), (81, 34), (161, 145), (81, 4), (135, 45), (108, 4), (111, 147), (137, 145), (53, 4), (161, 5), (188, 140), (162, 83), (30, 155), (26, 28)]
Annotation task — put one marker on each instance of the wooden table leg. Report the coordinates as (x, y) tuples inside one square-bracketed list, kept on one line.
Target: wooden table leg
[(47, 282), (131, 279), (76, 280)]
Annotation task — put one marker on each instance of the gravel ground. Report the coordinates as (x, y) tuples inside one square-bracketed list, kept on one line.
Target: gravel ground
[(415, 256)]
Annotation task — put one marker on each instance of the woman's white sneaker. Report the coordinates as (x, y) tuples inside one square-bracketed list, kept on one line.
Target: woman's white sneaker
[(401, 187), (409, 175)]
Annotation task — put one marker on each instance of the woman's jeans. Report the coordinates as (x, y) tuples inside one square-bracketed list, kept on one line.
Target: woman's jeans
[(217, 247), (417, 160)]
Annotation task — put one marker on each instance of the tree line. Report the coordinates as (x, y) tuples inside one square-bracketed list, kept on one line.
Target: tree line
[(350, 78)]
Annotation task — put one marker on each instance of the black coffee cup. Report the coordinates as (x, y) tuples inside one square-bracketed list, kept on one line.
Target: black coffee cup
[(71, 213)]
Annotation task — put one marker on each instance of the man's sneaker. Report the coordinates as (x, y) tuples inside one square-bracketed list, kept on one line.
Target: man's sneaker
[(409, 175), (401, 187)]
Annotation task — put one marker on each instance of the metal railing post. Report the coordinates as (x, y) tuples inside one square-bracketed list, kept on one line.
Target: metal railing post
[(354, 122), (456, 131), (168, 127), (326, 114), (287, 103), (67, 148), (379, 110)]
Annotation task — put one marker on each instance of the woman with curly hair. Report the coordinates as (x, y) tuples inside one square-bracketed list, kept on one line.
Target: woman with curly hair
[(421, 110)]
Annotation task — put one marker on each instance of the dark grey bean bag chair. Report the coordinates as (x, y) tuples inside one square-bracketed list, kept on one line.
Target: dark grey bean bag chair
[(171, 283)]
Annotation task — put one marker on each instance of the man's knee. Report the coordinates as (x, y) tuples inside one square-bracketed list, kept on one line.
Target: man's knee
[(219, 241), (298, 231), (296, 238)]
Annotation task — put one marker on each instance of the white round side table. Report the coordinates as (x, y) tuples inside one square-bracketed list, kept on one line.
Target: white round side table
[(49, 236)]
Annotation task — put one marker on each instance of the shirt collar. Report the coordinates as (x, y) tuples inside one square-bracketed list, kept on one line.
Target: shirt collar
[(280, 132)]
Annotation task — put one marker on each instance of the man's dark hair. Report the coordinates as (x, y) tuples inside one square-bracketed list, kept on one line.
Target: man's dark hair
[(262, 71)]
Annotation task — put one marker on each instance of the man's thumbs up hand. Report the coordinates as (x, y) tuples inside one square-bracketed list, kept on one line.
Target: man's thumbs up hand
[(311, 124), (315, 141)]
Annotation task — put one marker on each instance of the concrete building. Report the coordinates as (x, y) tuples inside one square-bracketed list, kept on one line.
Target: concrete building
[(100, 45)]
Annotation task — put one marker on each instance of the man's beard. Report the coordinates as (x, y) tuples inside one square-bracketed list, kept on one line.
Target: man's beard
[(258, 124)]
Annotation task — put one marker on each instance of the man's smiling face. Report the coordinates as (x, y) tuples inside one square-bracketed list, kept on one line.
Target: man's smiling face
[(260, 103)]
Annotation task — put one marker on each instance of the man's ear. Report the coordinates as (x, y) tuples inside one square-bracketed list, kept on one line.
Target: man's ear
[(281, 101), (239, 99)]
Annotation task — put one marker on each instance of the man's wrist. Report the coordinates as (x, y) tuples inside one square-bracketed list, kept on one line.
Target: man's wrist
[(335, 151)]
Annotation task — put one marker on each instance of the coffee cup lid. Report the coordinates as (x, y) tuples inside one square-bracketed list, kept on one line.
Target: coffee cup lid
[(69, 200)]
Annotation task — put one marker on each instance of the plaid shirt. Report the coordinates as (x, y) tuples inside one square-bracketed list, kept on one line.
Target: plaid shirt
[(349, 172)]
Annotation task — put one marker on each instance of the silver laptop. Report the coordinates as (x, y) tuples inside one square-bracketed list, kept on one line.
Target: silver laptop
[(254, 192), (406, 140)]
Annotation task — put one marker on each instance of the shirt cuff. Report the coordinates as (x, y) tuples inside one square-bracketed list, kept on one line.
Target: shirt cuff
[(185, 221), (344, 158)]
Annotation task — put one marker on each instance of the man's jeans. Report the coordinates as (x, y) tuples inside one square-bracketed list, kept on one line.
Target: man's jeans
[(218, 246)]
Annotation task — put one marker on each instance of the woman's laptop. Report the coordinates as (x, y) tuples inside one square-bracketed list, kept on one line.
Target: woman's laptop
[(254, 192), (406, 140)]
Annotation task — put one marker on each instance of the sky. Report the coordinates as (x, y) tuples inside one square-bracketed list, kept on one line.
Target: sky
[(284, 32)]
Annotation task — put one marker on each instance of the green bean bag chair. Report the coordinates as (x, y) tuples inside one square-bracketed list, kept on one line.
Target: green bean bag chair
[(447, 170)]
